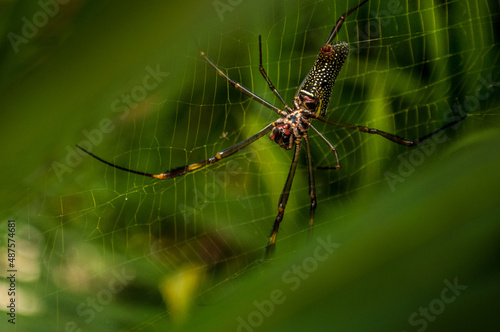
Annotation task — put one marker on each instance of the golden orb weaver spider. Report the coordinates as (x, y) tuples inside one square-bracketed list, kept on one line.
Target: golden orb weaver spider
[(291, 129)]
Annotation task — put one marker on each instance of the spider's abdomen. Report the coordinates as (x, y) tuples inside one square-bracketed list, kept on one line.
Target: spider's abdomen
[(320, 81)]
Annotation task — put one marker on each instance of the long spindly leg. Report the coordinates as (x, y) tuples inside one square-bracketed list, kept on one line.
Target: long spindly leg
[(332, 148), (312, 185), (392, 137), (189, 168), (269, 83), (340, 21), (283, 200), (241, 88)]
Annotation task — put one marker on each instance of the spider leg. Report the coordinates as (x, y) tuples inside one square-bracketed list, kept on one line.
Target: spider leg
[(269, 83), (241, 88), (340, 21), (392, 137), (332, 148), (191, 167), (283, 199), (312, 186)]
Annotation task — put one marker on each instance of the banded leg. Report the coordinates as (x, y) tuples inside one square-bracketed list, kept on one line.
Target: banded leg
[(283, 200), (340, 21), (269, 83), (332, 148), (241, 88), (392, 137), (312, 185), (189, 168)]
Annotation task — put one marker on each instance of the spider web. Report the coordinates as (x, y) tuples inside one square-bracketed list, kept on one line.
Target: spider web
[(186, 242)]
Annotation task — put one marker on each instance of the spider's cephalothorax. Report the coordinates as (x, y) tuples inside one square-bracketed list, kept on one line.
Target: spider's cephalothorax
[(291, 128)]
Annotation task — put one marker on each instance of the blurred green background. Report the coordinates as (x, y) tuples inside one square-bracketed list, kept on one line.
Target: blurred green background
[(101, 249)]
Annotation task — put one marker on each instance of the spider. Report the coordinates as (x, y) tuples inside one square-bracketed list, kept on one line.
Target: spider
[(291, 129)]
